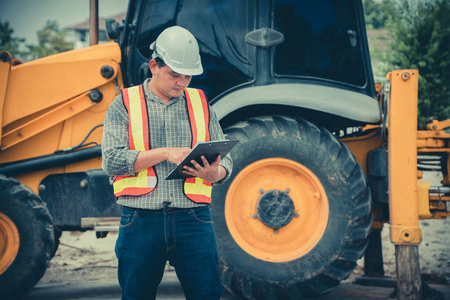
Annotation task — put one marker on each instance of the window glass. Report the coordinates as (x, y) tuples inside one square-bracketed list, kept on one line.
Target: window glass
[(321, 40), (219, 27)]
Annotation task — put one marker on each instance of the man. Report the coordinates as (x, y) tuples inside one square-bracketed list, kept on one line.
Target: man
[(148, 131)]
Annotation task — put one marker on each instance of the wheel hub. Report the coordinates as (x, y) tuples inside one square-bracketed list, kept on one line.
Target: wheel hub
[(275, 209), (267, 224), (9, 242)]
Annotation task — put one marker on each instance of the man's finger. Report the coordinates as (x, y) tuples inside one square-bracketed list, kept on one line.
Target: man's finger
[(196, 165), (189, 170), (205, 162), (217, 161)]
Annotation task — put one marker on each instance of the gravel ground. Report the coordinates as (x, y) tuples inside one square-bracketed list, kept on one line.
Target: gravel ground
[(81, 256)]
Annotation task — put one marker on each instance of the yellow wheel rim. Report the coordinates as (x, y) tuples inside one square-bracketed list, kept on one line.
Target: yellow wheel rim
[(9, 242), (257, 184)]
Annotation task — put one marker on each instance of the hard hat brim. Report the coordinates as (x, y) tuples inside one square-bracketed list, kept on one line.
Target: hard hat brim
[(188, 72)]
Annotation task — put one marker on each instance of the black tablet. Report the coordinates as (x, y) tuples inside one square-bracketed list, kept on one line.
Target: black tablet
[(210, 150)]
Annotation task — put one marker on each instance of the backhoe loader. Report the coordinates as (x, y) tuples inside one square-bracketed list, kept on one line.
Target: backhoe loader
[(316, 170)]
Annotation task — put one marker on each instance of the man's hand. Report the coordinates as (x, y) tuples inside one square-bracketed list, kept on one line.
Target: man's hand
[(176, 155), (209, 172), (153, 157)]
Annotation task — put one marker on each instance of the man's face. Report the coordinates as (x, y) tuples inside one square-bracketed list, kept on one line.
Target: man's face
[(166, 83)]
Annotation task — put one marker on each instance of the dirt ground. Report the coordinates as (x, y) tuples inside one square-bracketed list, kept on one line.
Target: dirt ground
[(81, 256)]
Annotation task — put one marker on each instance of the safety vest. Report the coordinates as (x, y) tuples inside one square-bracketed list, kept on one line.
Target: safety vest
[(145, 181)]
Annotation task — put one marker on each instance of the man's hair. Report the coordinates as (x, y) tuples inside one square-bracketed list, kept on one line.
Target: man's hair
[(160, 62)]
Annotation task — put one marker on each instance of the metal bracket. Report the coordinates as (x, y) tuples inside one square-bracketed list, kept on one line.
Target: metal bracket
[(401, 235), (47, 120), (264, 37)]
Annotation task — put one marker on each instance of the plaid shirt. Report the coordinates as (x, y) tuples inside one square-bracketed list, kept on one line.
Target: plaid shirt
[(169, 127)]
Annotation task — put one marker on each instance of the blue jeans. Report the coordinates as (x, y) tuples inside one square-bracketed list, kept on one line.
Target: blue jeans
[(184, 237)]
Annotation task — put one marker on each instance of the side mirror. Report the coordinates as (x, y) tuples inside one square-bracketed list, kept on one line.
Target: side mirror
[(113, 29)]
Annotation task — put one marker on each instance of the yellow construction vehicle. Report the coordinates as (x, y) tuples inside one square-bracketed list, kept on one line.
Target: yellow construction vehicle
[(315, 171)]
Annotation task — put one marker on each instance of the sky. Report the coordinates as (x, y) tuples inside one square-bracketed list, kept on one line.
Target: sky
[(26, 17)]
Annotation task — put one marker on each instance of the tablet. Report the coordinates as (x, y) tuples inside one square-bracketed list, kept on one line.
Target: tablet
[(210, 150)]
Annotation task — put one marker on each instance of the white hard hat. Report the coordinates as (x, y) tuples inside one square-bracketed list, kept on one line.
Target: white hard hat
[(179, 50)]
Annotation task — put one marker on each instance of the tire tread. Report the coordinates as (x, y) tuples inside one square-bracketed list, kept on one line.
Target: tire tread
[(36, 223), (360, 219)]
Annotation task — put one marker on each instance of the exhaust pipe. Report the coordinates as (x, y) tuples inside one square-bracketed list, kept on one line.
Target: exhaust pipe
[(93, 22)]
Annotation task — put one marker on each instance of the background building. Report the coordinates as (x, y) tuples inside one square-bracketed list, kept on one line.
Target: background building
[(79, 33)]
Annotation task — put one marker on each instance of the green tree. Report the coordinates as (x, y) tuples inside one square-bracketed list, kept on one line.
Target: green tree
[(8, 42), (421, 40), (375, 13), (51, 40)]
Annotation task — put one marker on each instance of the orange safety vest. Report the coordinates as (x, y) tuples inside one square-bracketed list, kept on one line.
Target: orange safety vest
[(196, 189)]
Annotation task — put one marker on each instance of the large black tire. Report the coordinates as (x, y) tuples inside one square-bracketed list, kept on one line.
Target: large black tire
[(28, 214), (56, 235), (293, 246)]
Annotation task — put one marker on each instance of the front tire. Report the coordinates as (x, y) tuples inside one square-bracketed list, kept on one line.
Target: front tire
[(30, 234), (293, 219)]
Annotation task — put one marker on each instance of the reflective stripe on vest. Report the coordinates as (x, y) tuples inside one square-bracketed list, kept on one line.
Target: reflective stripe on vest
[(197, 189), (138, 131)]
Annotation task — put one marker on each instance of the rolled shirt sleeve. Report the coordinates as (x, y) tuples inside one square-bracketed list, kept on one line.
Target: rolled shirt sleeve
[(118, 159), (216, 134)]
